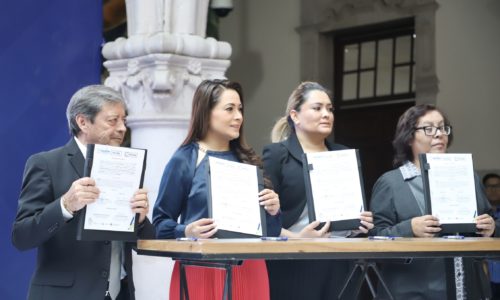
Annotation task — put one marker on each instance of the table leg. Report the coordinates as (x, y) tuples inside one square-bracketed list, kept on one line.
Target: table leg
[(381, 280), (183, 290), (228, 278), (364, 266), (228, 283)]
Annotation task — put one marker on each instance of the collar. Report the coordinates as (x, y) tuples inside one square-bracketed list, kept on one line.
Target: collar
[(81, 146), (75, 155), (293, 145), (409, 170)]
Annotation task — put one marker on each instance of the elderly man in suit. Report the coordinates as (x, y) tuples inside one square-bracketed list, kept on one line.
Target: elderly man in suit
[(54, 191)]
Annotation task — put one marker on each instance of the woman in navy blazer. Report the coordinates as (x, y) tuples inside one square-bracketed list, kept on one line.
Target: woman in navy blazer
[(304, 129), (181, 209)]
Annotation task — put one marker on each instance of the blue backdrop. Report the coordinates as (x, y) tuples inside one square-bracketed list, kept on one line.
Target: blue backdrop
[(48, 50)]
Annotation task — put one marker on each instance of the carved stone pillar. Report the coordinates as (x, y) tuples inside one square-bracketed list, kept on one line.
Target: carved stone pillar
[(157, 69)]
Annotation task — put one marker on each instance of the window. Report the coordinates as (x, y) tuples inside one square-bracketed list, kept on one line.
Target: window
[(375, 64)]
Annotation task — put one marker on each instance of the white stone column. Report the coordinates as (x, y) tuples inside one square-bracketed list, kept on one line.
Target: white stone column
[(157, 69)]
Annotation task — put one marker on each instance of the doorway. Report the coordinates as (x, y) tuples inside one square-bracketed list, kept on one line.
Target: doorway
[(371, 130)]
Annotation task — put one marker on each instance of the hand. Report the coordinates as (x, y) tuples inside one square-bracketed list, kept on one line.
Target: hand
[(310, 232), (270, 200), (366, 218), (485, 225), (140, 204), (425, 226), (203, 228), (82, 192)]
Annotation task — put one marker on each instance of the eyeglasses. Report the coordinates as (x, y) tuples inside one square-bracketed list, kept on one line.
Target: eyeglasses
[(431, 130), (492, 186)]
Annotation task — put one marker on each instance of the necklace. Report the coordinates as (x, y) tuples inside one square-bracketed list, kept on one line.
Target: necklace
[(202, 149)]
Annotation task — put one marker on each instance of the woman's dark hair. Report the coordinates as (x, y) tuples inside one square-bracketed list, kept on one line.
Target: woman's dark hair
[(489, 176), (405, 132), (205, 98)]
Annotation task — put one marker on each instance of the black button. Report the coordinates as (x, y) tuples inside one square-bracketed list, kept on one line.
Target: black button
[(106, 242), (104, 274)]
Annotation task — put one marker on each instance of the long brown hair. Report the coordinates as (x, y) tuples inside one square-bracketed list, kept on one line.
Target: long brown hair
[(205, 98)]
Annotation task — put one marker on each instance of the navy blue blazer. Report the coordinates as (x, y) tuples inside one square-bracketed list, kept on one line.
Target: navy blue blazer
[(173, 194), (283, 165)]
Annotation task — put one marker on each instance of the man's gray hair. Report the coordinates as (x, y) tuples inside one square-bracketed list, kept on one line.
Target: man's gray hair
[(88, 101)]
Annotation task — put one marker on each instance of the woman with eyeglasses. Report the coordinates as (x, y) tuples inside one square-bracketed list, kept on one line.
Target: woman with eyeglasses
[(398, 208)]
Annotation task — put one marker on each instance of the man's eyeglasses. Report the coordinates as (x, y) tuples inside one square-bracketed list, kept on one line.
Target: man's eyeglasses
[(431, 130)]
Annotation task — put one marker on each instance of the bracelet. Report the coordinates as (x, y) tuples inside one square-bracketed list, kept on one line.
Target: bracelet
[(66, 207)]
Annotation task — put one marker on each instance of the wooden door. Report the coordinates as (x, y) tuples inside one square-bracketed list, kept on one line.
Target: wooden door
[(371, 130)]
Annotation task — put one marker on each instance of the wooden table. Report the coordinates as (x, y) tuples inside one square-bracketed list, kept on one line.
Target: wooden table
[(331, 248), (224, 253)]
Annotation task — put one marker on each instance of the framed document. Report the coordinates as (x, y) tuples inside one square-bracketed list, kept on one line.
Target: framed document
[(233, 199), (449, 190), (334, 188), (119, 173)]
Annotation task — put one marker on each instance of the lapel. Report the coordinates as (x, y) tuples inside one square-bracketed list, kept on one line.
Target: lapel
[(293, 146), (75, 157), (412, 200)]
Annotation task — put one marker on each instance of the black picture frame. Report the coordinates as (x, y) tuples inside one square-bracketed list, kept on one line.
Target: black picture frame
[(446, 228), (105, 235), (226, 234), (349, 224)]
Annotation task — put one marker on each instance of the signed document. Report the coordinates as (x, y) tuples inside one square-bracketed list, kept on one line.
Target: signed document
[(233, 197), (118, 172), (449, 187), (334, 187)]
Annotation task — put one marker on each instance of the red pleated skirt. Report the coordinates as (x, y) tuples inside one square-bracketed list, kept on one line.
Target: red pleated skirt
[(250, 282)]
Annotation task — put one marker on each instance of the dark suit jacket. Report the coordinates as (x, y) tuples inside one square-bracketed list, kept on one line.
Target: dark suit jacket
[(283, 165), (394, 205), (65, 268), (299, 279)]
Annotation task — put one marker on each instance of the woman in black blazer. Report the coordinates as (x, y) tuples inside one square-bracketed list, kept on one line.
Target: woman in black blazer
[(304, 128)]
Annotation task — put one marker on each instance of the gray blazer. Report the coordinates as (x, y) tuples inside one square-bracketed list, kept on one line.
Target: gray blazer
[(65, 268), (394, 205)]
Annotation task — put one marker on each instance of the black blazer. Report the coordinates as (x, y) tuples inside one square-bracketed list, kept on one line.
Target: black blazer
[(283, 165), (65, 268)]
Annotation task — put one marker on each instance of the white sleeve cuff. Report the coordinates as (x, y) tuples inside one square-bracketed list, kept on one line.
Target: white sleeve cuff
[(66, 214)]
